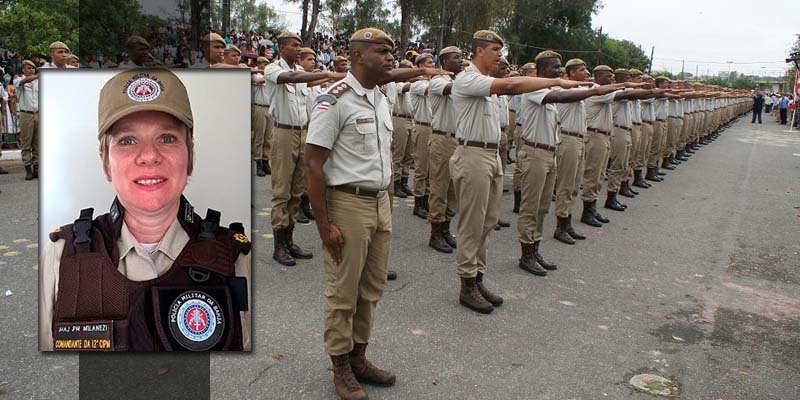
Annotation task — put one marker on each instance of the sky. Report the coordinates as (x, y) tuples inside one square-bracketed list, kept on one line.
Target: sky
[(755, 35)]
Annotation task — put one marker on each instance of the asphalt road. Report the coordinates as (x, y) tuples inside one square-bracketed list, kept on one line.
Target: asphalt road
[(698, 281)]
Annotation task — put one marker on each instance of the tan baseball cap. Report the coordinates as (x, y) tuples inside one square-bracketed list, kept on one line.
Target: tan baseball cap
[(143, 89)]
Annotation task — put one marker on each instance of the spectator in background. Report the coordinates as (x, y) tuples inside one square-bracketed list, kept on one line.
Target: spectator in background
[(783, 108), (768, 102), (758, 107)]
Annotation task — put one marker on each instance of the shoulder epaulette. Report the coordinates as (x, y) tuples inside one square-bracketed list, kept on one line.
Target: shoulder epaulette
[(340, 89)]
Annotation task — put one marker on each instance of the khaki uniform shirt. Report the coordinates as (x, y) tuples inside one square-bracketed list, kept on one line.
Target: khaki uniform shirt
[(623, 116), (675, 108), (662, 108), (573, 115), (259, 94), (27, 94), (444, 114), (636, 111), (137, 264), (599, 112), (419, 101), (288, 100), (357, 129), (648, 110), (476, 107), (403, 104), (541, 120), (51, 65)]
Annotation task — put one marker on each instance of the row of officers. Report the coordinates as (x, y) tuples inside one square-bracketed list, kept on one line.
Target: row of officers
[(347, 140)]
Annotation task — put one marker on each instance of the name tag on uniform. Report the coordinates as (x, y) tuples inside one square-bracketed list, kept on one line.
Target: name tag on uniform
[(84, 336), (365, 120)]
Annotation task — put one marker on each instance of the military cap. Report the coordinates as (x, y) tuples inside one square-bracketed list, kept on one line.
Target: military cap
[(645, 76), (59, 45), (575, 61), (372, 35), (422, 57), (231, 48), (142, 89), (622, 71), (290, 35), (602, 68), (546, 54), (663, 78), (529, 66), (488, 36), (72, 55), (503, 60), (29, 62), (406, 63), (340, 58), (307, 50), (450, 50), (635, 72), (262, 60), (213, 37), (136, 40)]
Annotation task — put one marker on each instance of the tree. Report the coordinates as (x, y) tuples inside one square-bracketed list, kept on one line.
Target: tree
[(30, 26)]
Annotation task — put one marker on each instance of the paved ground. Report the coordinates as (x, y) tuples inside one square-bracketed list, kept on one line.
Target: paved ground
[(699, 281)]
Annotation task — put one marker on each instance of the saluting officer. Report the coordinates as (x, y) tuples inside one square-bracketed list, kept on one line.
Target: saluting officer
[(529, 69), (349, 171), (59, 56), (138, 50), (28, 102), (262, 126), (422, 121), (213, 48)]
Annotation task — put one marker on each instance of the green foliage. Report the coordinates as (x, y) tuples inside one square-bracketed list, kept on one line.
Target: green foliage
[(112, 21), (30, 26), (623, 54), (351, 15), (735, 81), (666, 73)]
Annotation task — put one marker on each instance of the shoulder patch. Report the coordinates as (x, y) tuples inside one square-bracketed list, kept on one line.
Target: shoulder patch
[(326, 98), (340, 89)]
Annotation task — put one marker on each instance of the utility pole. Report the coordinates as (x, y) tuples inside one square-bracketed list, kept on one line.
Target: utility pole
[(696, 72), (650, 67), (226, 16), (683, 69), (599, 46), (441, 30)]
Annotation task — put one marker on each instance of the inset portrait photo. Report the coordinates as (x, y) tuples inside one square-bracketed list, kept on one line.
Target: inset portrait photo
[(145, 200)]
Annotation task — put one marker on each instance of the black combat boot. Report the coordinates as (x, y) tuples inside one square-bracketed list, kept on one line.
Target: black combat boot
[(448, 237), (419, 208), (653, 176), (437, 241), (281, 252), (398, 190), (487, 294), (625, 190), (539, 259), (639, 180), (295, 250), (35, 171), (612, 203), (29, 172), (571, 231), (597, 215), (471, 298), (404, 185), (260, 168), (561, 233), (528, 262), (587, 217), (301, 218), (668, 164)]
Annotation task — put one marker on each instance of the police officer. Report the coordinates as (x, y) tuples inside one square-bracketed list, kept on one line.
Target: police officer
[(349, 171), (340, 64), (528, 69), (571, 148), (28, 103), (422, 122), (262, 126), (213, 51), (404, 140), (231, 55), (286, 83), (178, 283), (59, 56), (138, 50), (475, 165), (443, 200), (73, 61), (501, 71)]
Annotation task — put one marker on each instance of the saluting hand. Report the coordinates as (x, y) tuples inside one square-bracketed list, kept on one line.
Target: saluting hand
[(568, 84), (436, 71), (333, 240)]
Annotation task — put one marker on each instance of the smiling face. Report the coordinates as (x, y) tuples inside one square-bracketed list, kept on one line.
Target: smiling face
[(147, 161)]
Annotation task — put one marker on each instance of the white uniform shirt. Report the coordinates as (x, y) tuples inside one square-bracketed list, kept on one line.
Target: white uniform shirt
[(27, 95), (541, 120), (288, 100), (476, 107), (419, 101), (443, 113)]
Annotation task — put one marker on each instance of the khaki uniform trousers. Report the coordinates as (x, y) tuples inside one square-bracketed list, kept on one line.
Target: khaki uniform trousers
[(598, 149), (478, 179), (644, 146), (442, 199), (421, 155), (29, 137), (657, 143), (688, 122), (636, 144), (511, 130), (620, 154), (570, 155), (503, 148), (674, 127), (538, 178), (353, 287), (262, 132), (402, 147), (516, 173), (288, 177)]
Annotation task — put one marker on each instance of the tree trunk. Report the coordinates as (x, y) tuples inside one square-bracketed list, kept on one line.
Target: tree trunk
[(305, 21), (312, 25), (405, 23)]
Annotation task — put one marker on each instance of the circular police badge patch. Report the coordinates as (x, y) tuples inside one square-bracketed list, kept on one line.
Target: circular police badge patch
[(143, 89), (196, 320), (368, 35)]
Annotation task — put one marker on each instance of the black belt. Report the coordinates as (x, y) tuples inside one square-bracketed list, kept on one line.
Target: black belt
[(398, 115), (662, 119), (28, 112), (472, 143), (647, 122), (355, 190), (676, 117), (599, 131), (622, 127), (637, 123), (260, 105), (443, 133), (540, 146), (422, 123), (291, 127), (568, 133), (519, 125)]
